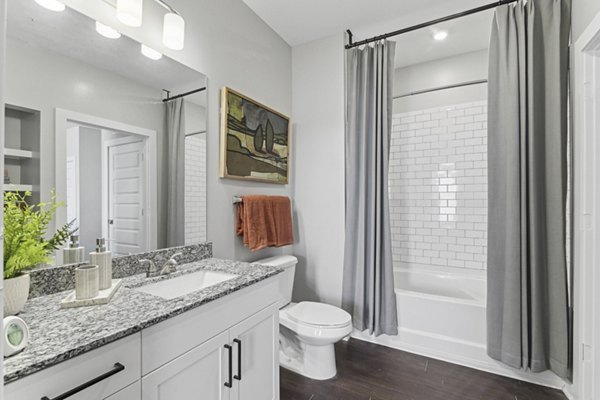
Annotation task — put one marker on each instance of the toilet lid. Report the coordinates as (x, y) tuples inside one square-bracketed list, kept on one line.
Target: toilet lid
[(318, 314)]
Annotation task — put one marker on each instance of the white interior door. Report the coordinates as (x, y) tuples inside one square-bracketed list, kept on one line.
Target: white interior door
[(127, 222)]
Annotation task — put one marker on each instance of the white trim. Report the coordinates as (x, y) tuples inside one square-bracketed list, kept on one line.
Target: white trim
[(586, 255), (62, 118)]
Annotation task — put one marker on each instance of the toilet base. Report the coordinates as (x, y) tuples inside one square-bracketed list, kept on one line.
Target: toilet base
[(315, 362)]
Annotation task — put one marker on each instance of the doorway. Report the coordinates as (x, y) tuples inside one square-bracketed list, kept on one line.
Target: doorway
[(107, 172)]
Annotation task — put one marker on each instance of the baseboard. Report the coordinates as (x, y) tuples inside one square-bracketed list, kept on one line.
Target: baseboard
[(468, 354)]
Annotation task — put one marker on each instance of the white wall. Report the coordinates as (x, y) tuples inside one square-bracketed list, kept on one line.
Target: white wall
[(438, 187), (318, 168), (231, 45), (443, 72), (90, 187), (584, 12)]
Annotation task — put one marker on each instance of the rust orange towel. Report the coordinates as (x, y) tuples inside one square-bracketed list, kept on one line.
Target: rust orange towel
[(265, 221)]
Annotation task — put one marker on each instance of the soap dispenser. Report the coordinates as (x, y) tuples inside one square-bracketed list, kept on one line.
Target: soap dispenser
[(74, 253), (103, 259)]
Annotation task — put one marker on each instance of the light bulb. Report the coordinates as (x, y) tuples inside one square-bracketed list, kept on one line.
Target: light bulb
[(151, 53), (173, 31), (107, 31), (53, 5), (130, 12), (440, 35)]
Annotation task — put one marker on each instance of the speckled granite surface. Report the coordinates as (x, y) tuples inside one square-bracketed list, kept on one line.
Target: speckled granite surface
[(59, 334), (49, 280)]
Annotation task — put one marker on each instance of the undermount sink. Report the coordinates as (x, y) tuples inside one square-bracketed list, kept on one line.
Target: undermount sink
[(184, 284)]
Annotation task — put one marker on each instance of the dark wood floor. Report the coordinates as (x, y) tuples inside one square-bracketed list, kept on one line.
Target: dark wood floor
[(371, 372)]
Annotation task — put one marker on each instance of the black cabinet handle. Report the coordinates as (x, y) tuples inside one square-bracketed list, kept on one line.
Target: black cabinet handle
[(229, 382), (239, 374), (116, 369)]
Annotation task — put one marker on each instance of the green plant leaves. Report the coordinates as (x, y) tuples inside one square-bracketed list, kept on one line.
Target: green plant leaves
[(25, 229)]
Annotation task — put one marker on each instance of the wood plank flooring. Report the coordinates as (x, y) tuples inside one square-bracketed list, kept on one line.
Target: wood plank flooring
[(368, 371)]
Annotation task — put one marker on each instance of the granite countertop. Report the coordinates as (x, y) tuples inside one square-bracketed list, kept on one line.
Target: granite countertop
[(59, 334)]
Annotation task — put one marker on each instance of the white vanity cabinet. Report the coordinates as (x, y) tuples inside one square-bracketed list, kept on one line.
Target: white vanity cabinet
[(234, 352), (227, 349), (238, 364)]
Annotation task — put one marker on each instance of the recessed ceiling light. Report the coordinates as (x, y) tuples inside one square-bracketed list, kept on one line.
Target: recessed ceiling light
[(151, 53), (53, 5), (440, 35), (107, 31)]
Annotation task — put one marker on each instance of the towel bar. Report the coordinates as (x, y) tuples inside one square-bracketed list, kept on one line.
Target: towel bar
[(237, 199)]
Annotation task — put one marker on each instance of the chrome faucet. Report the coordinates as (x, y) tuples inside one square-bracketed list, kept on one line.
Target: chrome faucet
[(152, 268), (171, 265)]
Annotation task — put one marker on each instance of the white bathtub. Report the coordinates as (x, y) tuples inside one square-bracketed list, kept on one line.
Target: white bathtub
[(453, 304), (442, 314)]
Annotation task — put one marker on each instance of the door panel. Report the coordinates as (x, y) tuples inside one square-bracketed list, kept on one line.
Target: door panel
[(198, 374), (126, 198), (259, 337)]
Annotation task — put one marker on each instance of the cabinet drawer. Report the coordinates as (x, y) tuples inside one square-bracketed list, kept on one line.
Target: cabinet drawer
[(168, 340), (70, 374)]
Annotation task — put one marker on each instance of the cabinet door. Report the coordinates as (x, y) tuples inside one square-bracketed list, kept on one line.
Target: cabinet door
[(131, 392), (258, 362), (200, 373)]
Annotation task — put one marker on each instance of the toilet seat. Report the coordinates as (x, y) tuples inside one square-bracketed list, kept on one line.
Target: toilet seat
[(319, 315)]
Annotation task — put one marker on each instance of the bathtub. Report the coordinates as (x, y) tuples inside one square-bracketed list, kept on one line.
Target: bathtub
[(442, 314)]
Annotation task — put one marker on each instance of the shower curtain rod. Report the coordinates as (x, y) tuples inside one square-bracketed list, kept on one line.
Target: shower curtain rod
[(352, 44), (456, 85), (169, 97)]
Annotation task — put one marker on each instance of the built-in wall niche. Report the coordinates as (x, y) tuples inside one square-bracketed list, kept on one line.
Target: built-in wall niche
[(22, 150)]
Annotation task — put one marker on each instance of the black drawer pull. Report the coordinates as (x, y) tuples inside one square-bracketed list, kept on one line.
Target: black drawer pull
[(239, 374), (229, 382), (118, 367)]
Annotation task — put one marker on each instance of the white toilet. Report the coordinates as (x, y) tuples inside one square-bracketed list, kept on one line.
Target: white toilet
[(307, 330)]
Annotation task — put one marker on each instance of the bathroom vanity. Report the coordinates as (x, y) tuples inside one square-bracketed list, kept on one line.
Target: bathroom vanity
[(220, 341)]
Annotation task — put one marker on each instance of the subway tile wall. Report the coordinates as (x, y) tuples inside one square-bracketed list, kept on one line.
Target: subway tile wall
[(195, 189), (438, 187)]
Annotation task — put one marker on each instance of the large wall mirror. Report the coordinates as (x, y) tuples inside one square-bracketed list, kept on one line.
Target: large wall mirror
[(86, 117)]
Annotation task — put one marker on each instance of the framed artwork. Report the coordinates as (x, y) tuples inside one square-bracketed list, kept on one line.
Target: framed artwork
[(255, 140)]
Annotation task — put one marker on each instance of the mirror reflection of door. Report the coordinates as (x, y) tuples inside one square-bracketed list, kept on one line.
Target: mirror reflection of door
[(108, 171), (126, 225)]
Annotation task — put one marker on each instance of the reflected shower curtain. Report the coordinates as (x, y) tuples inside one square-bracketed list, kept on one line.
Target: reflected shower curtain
[(527, 310), (175, 110), (368, 283)]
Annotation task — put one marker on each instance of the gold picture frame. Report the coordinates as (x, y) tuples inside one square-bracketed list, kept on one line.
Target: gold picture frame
[(255, 140)]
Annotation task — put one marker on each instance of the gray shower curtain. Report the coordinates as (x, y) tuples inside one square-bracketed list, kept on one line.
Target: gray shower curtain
[(175, 110), (527, 307), (368, 283)]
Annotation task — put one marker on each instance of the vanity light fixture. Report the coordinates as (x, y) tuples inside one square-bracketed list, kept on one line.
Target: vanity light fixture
[(440, 35), (130, 12), (173, 31), (151, 53), (107, 31), (173, 27), (53, 5)]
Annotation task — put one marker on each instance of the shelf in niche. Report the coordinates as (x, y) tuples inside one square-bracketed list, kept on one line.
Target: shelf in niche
[(13, 187), (17, 154)]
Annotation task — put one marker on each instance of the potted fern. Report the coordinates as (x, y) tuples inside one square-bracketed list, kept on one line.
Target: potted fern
[(25, 244)]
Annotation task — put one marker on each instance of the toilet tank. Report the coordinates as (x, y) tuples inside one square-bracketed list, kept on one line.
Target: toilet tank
[(286, 278)]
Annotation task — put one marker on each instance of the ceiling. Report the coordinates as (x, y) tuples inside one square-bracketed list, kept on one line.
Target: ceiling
[(299, 22), (73, 35)]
